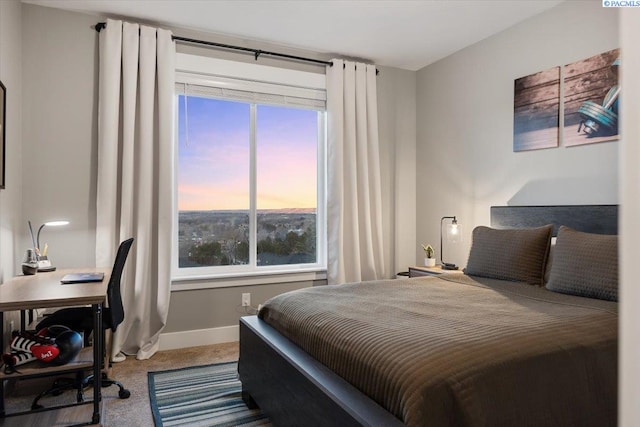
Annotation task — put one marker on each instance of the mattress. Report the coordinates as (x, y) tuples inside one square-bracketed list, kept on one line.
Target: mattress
[(464, 351)]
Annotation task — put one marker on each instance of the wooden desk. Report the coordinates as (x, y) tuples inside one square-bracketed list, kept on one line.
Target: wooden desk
[(44, 290)]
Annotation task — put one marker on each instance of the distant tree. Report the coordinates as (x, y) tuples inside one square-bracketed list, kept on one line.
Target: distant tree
[(295, 243), (311, 239), (268, 227), (242, 251), (266, 246), (207, 253)]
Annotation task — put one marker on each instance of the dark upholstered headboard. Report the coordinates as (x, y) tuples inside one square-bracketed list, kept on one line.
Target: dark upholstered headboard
[(599, 219)]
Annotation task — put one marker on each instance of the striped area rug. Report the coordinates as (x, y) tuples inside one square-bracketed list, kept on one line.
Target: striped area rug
[(207, 395)]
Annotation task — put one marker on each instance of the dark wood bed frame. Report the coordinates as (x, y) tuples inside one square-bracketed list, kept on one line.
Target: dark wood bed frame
[(293, 389)]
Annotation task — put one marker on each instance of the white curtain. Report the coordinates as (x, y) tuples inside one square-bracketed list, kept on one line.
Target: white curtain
[(134, 188), (354, 206)]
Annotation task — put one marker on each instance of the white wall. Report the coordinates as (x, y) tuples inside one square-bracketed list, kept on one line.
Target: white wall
[(397, 127), (629, 224), (59, 131), (465, 157), (11, 197), (11, 224)]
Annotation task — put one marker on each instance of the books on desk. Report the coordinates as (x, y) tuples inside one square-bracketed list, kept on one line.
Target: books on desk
[(82, 278)]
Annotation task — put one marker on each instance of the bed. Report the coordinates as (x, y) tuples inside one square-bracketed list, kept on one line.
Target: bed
[(448, 350)]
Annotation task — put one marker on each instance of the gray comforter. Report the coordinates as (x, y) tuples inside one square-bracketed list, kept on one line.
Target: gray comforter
[(465, 351)]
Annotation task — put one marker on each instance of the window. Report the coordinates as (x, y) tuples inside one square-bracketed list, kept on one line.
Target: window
[(249, 177)]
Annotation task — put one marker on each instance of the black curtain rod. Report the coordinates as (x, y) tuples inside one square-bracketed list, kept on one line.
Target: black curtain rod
[(256, 52)]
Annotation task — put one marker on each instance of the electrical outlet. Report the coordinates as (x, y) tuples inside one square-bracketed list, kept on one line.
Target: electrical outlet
[(246, 300)]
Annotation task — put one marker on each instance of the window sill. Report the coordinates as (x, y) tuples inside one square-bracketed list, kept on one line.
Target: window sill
[(244, 279)]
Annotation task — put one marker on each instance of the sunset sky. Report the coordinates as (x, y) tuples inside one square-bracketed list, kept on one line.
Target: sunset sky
[(213, 164)]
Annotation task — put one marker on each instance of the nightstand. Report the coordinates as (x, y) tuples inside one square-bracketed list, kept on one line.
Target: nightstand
[(417, 271)]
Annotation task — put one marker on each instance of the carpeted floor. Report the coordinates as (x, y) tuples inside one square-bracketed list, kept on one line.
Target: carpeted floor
[(135, 411)]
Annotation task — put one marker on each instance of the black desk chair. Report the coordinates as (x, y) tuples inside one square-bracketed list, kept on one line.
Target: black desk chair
[(81, 319)]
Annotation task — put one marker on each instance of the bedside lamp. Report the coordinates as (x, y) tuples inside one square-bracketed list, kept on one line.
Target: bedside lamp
[(453, 236), (43, 261)]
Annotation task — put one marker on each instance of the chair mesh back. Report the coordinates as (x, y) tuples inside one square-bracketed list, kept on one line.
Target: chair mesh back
[(113, 290)]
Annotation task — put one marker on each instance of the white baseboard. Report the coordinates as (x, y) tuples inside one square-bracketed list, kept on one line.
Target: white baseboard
[(198, 337)]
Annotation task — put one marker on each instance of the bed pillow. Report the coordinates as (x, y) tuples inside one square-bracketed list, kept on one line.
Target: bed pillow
[(512, 254), (585, 265)]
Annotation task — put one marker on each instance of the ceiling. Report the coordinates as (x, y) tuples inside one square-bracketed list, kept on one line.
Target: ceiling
[(401, 33)]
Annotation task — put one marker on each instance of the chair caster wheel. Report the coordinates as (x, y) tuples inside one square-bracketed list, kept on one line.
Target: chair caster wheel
[(124, 394)]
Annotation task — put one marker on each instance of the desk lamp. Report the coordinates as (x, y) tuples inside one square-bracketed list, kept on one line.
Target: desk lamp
[(453, 236), (43, 261)]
